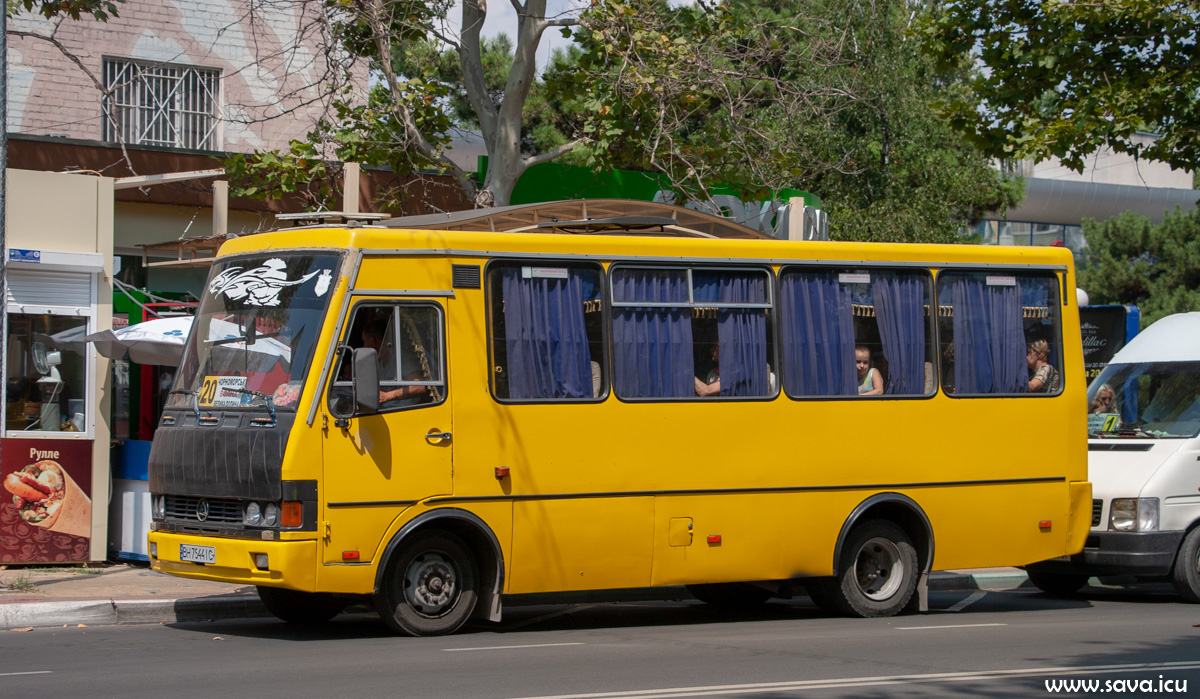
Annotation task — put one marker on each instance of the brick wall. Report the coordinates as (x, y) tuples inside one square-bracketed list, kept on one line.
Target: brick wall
[(268, 53)]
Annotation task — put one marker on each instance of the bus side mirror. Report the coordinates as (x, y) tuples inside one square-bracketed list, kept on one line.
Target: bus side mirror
[(366, 380)]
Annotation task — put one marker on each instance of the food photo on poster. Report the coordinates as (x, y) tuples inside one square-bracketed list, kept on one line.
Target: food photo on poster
[(45, 509)]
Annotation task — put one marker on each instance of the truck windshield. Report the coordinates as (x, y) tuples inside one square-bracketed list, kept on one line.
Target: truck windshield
[(255, 331), (1153, 400)]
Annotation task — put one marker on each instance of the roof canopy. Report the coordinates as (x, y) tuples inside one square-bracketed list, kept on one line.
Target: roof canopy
[(584, 216)]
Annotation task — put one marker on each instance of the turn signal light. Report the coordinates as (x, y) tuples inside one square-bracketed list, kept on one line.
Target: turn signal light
[(349, 555), (1044, 524), (714, 538), (290, 514)]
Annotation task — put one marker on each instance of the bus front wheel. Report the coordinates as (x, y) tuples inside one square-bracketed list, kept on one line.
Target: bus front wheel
[(300, 607), (430, 587), (878, 572), (1186, 575)]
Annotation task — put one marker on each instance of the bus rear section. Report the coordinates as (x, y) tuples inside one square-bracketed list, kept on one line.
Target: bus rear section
[(575, 413)]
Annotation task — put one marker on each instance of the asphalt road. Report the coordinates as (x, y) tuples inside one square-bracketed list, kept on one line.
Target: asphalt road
[(993, 644)]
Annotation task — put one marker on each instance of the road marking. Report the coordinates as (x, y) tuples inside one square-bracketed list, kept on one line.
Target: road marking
[(33, 672), (972, 599), (529, 645), (947, 626), (871, 681)]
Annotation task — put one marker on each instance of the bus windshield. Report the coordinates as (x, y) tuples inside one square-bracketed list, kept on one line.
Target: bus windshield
[(1152, 400), (255, 332)]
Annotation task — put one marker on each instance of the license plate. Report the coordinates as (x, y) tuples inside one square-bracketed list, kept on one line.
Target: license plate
[(198, 554)]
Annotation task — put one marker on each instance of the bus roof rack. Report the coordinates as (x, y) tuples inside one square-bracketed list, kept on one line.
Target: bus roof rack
[(588, 216), (304, 217)]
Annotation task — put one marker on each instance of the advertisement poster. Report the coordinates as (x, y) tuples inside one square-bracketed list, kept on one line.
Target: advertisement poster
[(45, 502), (1103, 334)]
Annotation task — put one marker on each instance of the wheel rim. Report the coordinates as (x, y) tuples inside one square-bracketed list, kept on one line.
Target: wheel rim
[(431, 584), (879, 569)]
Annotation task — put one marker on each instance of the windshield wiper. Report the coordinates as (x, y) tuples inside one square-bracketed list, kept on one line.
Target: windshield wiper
[(267, 401), (195, 400)]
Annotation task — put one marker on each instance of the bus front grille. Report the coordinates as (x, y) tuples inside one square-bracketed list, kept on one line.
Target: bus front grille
[(1097, 508), (213, 510)]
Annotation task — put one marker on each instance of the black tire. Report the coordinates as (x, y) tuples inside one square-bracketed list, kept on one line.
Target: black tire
[(1186, 574), (1059, 584), (878, 572), (730, 595), (304, 608), (430, 587)]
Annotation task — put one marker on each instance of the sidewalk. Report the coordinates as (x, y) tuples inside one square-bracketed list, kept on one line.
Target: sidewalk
[(120, 593)]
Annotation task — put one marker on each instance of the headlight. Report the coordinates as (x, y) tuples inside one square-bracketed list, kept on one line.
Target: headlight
[(253, 515), (1133, 515), (159, 506), (270, 514)]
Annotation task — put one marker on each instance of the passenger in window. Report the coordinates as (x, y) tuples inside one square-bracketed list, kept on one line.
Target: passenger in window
[(1102, 401), (372, 336), (870, 383), (711, 384), (1043, 378)]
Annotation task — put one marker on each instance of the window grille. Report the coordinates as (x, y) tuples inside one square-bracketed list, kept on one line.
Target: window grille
[(161, 105)]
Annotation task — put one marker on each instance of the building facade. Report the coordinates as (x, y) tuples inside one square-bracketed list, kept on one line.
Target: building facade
[(208, 75)]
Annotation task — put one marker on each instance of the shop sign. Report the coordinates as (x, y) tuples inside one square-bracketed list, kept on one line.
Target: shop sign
[(1103, 331), (15, 255), (45, 502)]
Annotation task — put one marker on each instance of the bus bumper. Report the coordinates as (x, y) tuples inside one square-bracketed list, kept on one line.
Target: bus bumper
[(1118, 553), (290, 564)]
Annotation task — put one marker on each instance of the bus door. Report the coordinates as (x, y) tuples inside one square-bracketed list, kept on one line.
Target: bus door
[(378, 464)]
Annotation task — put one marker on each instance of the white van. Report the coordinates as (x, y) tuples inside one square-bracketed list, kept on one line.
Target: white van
[(1144, 465)]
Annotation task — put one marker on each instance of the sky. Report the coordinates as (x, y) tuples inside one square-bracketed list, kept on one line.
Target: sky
[(502, 19)]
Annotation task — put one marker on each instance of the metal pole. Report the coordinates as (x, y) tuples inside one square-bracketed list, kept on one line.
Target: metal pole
[(4, 204)]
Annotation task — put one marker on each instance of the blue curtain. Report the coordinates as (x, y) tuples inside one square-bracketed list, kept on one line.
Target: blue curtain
[(817, 335), (652, 347), (989, 338), (547, 341), (900, 312), (741, 332)]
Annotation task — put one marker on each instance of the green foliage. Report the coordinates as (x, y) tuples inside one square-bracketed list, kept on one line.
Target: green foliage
[(1061, 78), (1153, 266), (763, 95), (98, 9)]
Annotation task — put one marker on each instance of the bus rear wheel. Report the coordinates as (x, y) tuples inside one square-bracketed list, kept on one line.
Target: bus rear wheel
[(879, 572), (1060, 584), (430, 587), (1186, 575), (730, 595), (302, 608)]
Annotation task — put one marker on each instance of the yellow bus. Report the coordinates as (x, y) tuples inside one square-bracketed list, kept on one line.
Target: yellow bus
[(431, 419)]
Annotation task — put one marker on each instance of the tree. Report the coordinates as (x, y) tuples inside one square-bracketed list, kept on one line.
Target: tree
[(811, 94), (1130, 260), (407, 119), (98, 9), (1062, 79)]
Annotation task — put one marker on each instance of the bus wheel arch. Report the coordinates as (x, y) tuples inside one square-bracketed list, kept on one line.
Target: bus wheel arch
[(883, 550), (464, 529)]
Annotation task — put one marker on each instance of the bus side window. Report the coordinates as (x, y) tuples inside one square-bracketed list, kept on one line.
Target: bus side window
[(849, 332), (546, 332), (685, 333), (407, 340), (999, 331)]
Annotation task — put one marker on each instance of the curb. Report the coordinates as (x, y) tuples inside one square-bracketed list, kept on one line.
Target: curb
[(130, 611), (100, 612)]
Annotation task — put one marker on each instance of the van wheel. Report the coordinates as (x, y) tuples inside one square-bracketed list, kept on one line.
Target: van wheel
[(300, 607), (1057, 583), (1186, 575), (730, 595), (430, 587), (879, 572)]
